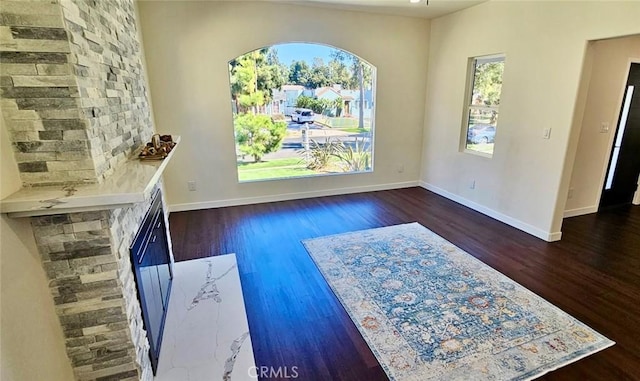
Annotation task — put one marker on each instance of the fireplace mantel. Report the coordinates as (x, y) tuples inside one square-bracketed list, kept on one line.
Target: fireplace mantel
[(131, 183)]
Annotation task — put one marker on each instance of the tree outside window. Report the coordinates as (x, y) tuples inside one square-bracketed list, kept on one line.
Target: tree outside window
[(483, 101)]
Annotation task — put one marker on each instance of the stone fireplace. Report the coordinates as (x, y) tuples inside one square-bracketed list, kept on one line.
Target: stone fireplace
[(76, 108), (86, 258)]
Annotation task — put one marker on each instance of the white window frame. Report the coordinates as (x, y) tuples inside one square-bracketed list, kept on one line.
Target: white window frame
[(468, 101)]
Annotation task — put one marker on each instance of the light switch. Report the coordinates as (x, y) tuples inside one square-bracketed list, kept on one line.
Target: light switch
[(546, 133)]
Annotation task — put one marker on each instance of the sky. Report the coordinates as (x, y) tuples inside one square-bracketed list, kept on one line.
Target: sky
[(300, 51)]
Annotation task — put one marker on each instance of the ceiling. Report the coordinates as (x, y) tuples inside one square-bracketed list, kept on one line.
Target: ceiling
[(423, 9), (432, 9)]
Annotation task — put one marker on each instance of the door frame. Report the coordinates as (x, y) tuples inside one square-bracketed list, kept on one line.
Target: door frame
[(636, 197), (613, 130)]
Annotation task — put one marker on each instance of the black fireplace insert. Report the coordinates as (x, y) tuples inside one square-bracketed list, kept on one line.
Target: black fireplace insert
[(153, 274)]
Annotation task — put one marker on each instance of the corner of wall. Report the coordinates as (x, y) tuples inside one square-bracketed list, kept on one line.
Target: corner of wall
[(574, 135), (549, 236), (32, 343), (37, 353)]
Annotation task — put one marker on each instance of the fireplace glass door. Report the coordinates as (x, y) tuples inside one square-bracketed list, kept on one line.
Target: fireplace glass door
[(152, 264)]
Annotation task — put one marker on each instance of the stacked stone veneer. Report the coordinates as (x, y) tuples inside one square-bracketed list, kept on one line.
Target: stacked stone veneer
[(75, 104), (87, 261), (40, 96), (107, 60), (74, 96)]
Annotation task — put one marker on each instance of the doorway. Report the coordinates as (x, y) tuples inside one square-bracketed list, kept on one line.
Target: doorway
[(621, 181)]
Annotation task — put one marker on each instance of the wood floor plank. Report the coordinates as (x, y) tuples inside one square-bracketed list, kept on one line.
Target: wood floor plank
[(296, 320)]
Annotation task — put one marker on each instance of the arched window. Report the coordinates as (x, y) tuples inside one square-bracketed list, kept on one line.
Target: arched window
[(296, 112)]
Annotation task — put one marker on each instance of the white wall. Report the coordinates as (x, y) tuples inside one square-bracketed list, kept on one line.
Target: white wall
[(188, 46), (31, 342), (608, 77), (526, 182)]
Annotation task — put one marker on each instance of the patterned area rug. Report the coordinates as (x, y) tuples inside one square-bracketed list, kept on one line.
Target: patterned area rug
[(430, 311)]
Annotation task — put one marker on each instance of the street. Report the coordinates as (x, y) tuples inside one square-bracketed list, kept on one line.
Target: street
[(293, 143)]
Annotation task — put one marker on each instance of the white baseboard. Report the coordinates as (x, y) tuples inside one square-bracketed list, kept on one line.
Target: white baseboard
[(544, 235), (580, 211), (287, 196)]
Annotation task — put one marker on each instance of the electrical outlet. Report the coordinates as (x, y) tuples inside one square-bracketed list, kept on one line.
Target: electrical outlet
[(570, 194), (472, 184), (191, 185), (400, 168), (604, 127), (546, 133)]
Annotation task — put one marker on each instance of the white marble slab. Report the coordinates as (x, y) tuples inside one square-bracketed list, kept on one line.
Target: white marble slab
[(130, 183), (206, 334)]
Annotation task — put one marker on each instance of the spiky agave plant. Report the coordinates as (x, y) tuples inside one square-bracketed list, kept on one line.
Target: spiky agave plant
[(319, 154), (354, 158)]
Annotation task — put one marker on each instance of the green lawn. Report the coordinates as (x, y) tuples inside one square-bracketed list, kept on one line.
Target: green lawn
[(354, 130), (344, 123), (273, 169), (269, 164)]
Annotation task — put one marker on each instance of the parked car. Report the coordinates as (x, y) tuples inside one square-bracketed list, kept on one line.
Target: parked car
[(302, 115), (481, 133)]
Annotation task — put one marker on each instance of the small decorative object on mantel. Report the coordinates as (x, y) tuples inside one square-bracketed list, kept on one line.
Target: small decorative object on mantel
[(158, 148)]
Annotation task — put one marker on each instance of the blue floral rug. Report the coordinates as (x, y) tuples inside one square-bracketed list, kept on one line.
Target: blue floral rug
[(430, 311)]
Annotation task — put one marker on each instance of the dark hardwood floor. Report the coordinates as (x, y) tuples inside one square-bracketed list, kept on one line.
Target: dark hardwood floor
[(296, 321)]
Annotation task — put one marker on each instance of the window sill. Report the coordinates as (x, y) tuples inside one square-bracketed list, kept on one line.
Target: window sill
[(477, 153)]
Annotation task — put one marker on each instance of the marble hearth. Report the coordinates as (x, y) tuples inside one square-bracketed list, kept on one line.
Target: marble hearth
[(206, 334)]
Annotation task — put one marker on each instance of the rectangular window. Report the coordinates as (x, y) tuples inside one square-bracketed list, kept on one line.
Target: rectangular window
[(482, 103)]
